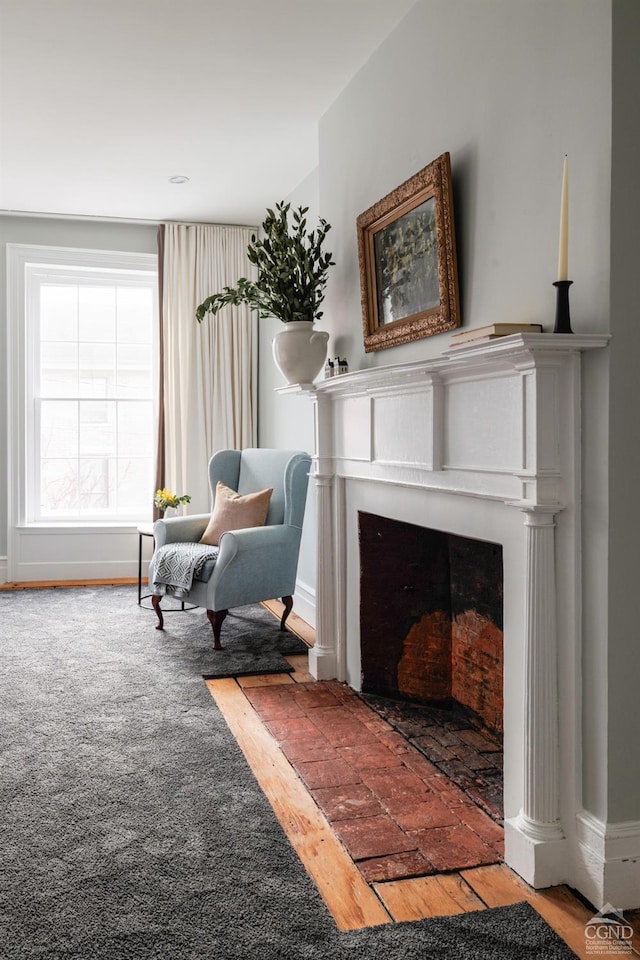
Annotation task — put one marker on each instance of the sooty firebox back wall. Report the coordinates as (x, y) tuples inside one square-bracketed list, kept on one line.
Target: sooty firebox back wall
[(431, 616)]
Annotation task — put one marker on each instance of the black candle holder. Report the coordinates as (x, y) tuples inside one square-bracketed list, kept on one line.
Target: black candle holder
[(563, 320)]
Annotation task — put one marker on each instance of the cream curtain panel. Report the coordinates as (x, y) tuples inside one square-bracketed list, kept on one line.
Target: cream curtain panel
[(209, 370)]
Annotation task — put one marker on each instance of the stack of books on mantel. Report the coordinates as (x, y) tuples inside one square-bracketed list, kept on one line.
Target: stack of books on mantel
[(492, 331)]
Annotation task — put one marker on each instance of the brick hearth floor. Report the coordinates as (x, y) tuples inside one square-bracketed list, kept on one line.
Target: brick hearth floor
[(470, 755), (396, 813)]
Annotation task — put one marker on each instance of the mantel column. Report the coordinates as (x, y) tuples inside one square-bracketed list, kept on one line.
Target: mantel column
[(323, 655), (533, 836), (540, 808)]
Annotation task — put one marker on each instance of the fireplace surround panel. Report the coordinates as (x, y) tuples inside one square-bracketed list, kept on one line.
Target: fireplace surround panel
[(482, 442)]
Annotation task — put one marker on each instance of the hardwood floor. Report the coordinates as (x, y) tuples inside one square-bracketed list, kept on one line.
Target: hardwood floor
[(445, 893), (40, 584)]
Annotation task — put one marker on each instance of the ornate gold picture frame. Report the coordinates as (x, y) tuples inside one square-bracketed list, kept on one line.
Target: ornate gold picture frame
[(408, 264)]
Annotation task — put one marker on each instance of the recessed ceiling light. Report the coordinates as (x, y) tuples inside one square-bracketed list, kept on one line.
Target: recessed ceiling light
[(178, 179)]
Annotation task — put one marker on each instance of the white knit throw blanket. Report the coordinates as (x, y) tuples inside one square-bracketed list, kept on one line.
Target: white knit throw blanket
[(176, 564)]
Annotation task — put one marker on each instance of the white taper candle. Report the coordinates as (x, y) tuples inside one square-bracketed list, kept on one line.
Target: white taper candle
[(563, 247)]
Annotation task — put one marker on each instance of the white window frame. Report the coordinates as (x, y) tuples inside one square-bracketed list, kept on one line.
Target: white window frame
[(22, 357)]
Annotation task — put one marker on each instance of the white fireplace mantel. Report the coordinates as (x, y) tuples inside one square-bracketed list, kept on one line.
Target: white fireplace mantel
[(484, 442), (486, 420)]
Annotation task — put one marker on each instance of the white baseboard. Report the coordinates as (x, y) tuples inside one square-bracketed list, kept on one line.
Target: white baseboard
[(78, 570), (304, 602), (608, 862), (73, 552), (4, 569)]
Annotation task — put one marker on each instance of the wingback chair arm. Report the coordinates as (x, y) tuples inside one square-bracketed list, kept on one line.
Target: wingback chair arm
[(259, 542), (256, 563), (180, 529)]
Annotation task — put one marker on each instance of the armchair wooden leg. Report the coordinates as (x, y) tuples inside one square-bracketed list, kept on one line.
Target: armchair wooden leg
[(155, 603), (216, 619), (288, 606)]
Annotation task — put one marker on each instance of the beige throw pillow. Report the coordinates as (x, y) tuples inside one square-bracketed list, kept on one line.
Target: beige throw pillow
[(233, 512)]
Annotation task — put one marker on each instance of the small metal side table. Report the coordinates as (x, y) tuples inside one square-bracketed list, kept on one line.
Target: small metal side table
[(146, 530)]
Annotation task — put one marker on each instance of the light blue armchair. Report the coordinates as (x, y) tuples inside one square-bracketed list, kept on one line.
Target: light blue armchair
[(250, 565)]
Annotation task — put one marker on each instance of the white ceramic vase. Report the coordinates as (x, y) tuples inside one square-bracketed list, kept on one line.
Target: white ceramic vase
[(299, 351)]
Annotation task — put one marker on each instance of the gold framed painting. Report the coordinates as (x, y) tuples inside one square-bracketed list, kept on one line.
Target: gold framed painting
[(408, 263)]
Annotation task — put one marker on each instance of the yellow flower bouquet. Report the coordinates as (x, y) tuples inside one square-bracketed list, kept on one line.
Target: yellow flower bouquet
[(165, 498)]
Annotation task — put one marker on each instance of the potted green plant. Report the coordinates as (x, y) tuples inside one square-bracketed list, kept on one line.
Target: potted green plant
[(292, 273)]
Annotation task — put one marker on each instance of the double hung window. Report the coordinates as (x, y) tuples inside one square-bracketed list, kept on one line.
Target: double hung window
[(91, 385)]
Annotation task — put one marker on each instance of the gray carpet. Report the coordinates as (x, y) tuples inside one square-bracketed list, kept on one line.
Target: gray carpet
[(132, 827)]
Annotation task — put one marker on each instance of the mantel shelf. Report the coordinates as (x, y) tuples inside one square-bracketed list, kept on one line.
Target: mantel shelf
[(501, 351), (293, 389)]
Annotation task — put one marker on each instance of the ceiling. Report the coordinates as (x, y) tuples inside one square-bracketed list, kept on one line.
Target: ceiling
[(102, 101)]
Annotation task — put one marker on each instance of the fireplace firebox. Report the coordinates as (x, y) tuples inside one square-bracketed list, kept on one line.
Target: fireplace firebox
[(431, 626)]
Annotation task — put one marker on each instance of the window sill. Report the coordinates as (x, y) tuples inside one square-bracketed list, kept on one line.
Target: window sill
[(80, 527)]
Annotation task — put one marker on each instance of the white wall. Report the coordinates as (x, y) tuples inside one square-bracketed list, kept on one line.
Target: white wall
[(507, 88), (120, 549), (286, 422)]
